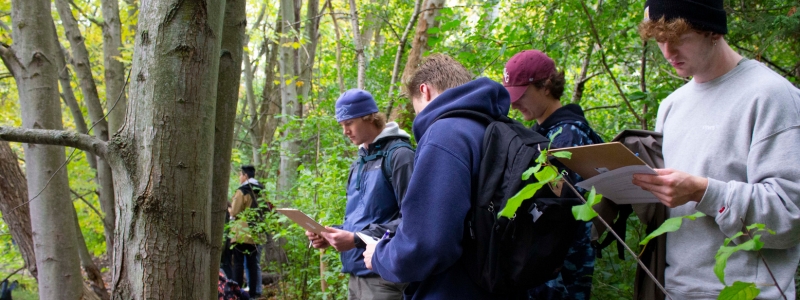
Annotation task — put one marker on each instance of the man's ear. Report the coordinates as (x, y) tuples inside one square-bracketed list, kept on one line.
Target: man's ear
[(424, 92)]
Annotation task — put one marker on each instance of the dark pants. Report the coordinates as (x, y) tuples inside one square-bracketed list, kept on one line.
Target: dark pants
[(247, 253), (226, 260)]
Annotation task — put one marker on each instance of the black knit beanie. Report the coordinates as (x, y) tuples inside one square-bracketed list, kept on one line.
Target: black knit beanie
[(705, 15)]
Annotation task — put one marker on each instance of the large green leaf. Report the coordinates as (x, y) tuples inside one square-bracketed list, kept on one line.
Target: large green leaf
[(725, 252), (515, 201), (670, 225), (585, 212), (530, 171), (739, 291), (563, 154), (546, 174)]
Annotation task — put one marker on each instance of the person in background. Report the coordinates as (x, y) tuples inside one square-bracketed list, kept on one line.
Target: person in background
[(535, 88), (731, 138), (244, 247)]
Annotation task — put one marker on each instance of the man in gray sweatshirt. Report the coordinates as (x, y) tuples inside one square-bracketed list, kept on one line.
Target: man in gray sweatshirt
[(732, 151)]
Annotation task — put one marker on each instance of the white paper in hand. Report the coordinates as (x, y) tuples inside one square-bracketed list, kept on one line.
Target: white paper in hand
[(367, 239), (618, 186)]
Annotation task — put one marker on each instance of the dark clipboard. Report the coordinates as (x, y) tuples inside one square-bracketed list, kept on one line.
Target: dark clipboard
[(302, 219)]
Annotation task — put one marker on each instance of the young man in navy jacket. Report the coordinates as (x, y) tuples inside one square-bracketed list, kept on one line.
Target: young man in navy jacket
[(373, 196), (427, 248)]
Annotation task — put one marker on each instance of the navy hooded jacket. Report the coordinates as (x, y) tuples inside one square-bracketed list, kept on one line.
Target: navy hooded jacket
[(427, 248)]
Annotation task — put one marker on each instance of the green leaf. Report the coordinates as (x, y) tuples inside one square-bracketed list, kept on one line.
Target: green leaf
[(546, 174), (670, 225), (725, 252), (637, 96), (514, 202), (555, 134), (433, 30), (739, 291), (563, 154), (585, 212), (530, 171)]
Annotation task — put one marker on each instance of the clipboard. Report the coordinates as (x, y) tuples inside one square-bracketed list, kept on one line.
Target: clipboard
[(591, 160), (302, 219)]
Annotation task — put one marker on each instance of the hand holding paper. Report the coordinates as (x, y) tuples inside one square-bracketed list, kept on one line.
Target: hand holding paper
[(616, 185), (673, 188)]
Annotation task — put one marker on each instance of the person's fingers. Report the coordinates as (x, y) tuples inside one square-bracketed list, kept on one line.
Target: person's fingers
[(664, 171)]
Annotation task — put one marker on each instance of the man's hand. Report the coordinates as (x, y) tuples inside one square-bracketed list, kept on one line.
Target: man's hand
[(341, 240), (368, 255), (316, 240), (673, 188)]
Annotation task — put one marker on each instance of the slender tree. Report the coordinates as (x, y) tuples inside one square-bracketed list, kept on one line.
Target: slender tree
[(32, 62), (290, 105), (230, 69)]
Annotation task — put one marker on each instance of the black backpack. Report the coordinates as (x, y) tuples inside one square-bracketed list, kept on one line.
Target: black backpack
[(509, 256), (254, 192)]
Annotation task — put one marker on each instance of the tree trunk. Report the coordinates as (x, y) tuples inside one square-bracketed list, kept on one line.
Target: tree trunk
[(34, 69), (93, 275), (307, 57), (270, 105), (69, 99), (14, 206), (430, 10), (339, 77), (401, 47), (83, 68), (253, 132), (580, 82), (357, 41), (230, 70), (164, 152), (290, 106), (116, 100)]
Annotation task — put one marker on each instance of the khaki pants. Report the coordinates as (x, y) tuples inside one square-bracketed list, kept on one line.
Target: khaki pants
[(373, 287)]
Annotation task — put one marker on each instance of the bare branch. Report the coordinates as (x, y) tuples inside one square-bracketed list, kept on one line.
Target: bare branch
[(90, 18), (600, 107), (54, 137)]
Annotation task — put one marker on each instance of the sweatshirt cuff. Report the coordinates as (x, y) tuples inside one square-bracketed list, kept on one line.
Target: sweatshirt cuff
[(713, 202)]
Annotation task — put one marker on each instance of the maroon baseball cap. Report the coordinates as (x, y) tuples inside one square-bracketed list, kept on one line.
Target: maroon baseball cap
[(525, 68)]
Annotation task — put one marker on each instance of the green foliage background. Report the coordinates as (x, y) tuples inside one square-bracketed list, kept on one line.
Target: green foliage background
[(482, 35)]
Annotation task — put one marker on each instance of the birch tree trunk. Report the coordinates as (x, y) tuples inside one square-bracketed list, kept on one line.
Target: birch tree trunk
[(290, 106), (83, 68), (13, 206), (116, 100), (359, 46), (339, 77), (164, 152), (69, 99), (32, 62), (230, 69), (250, 97)]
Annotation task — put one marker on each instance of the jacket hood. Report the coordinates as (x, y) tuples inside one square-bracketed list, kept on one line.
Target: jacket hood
[(482, 95), (391, 130), (253, 182), (569, 112)]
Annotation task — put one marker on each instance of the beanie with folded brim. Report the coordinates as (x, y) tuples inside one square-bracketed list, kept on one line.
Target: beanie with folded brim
[(704, 15), (355, 103)]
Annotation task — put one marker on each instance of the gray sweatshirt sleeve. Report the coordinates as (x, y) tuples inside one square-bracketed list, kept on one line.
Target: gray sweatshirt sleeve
[(770, 197)]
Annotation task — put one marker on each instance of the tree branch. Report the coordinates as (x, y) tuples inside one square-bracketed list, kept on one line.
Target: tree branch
[(54, 137), (605, 64), (10, 60), (93, 20)]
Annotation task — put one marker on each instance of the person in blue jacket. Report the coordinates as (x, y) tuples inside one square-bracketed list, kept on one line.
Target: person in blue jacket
[(535, 88), (427, 248), (376, 185)]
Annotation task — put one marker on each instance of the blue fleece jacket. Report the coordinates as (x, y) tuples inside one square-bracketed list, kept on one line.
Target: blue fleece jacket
[(427, 248)]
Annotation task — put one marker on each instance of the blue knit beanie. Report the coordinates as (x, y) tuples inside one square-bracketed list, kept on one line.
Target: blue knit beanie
[(353, 104)]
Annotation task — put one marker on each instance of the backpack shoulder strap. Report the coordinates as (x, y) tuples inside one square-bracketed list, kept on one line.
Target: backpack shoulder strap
[(387, 159)]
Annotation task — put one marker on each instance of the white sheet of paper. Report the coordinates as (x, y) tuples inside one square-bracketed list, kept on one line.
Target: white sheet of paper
[(367, 239), (617, 185)]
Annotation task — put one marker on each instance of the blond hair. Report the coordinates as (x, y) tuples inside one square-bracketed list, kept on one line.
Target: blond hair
[(441, 72)]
